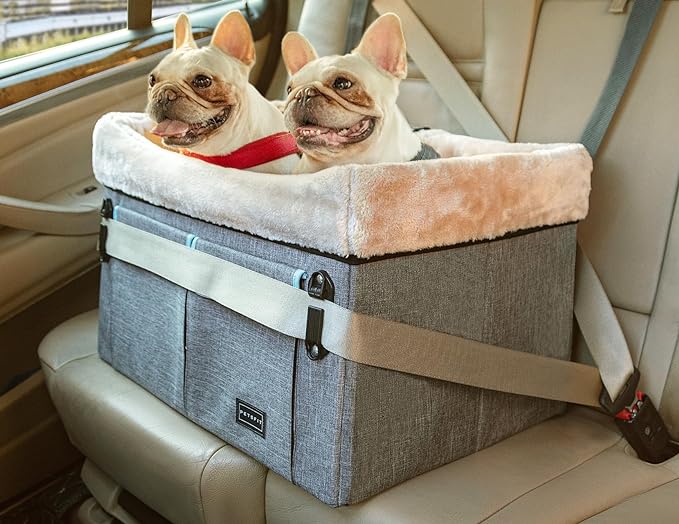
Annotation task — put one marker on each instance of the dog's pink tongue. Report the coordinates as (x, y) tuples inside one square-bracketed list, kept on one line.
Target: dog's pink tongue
[(170, 128)]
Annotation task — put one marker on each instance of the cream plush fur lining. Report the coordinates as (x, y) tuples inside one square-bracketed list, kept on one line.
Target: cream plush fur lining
[(479, 189)]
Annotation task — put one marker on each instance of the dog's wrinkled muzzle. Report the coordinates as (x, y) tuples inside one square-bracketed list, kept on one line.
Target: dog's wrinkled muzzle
[(165, 92), (304, 94)]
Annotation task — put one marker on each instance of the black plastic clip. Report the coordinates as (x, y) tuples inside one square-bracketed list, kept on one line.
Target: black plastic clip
[(314, 333), (320, 286), (101, 245), (644, 429), (639, 422), (106, 211)]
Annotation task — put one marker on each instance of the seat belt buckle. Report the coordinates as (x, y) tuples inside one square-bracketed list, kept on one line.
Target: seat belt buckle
[(644, 429), (639, 422)]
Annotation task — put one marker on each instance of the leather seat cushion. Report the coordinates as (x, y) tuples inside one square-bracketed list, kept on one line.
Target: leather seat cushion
[(566, 469), (180, 470), (658, 505), (563, 470)]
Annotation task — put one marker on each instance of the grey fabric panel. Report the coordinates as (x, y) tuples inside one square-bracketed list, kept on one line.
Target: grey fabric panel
[(309, 460), (146, 337), (235, 240), (316, 422), (281, 272), (345, 431), (397, 426), (319, 397), (319, 402), (530, 307), (141, 221), (529, 292), (502, 415), (515, 292), (104, 328), (231, 357)]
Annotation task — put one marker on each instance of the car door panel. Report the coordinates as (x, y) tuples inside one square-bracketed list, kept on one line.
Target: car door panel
[(45, 160)]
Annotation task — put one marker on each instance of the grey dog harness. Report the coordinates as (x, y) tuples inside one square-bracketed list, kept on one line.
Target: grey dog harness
[(426, 152)]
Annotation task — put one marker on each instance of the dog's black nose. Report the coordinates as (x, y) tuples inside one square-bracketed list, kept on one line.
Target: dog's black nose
[(306, 94)]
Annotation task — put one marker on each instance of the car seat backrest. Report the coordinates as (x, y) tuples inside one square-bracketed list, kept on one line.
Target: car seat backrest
[(628, 235), (539, 68)]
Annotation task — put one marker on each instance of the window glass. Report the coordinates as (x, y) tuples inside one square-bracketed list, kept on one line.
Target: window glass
[(27, 26), (163, 8), (34, 82)]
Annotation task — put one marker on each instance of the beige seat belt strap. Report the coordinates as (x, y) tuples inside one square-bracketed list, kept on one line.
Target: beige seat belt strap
[(600, 327), (360, 338)]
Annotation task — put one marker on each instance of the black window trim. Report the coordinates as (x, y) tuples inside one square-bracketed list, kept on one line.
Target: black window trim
[(139, 14)]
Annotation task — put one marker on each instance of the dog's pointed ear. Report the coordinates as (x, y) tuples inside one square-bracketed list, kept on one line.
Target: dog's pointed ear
[(183, 35), (385, 46), (234, 37), (297, 52)]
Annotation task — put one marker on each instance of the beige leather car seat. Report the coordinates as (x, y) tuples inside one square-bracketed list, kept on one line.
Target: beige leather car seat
[(539, 68)]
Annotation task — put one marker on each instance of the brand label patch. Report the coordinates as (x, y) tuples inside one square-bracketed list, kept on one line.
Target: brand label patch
[(250, 417)]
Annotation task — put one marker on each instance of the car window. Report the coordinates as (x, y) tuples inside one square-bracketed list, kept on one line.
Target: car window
[(46, 44), (34, 25), (163, 8)]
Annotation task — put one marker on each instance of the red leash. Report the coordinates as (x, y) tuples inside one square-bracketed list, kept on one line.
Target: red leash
[(255, 153)]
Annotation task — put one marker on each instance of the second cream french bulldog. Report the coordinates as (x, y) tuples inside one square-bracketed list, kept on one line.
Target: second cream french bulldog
[(202, 101), (342, 109)]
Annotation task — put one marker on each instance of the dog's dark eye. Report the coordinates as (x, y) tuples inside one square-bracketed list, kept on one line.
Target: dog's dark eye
[(202, 81), (289, 89), (152, 80), (342, 83)]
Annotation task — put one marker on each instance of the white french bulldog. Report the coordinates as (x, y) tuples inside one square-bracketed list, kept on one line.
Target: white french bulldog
[(201, 98), (342, 109)]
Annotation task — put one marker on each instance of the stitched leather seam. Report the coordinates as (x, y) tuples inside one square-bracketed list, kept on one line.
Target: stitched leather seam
[(69, 362), (200, 482)]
